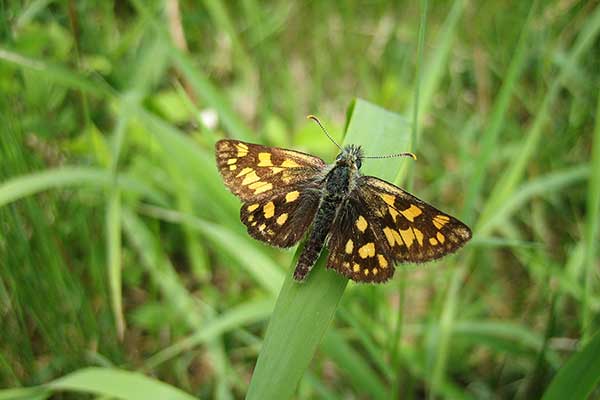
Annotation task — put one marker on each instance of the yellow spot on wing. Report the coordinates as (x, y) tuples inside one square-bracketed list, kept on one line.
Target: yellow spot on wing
[(346, 264), (382, 262), (232, 167), (250, 178), (264, 160), (250, 218), (368, 250), (407, 236), (243, 172), (411, 212), (263, 188), (397, 237), (375, 271), (388, 198), (252, 207), (356, 267), (287, 163), (419, 236), (393, 212), (366, 272), (262, 227), (276, 170), (361, 224), (269, 210), (433, 241), (231, 161), (292, 196), (389, 235), (282, 218), (440, 220), (440, 237), (242, 150), (349, 246)]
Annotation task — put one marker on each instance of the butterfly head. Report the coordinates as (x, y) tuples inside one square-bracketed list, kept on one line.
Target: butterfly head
[(351, 156)]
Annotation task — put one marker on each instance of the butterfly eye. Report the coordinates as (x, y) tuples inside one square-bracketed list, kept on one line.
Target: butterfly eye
[(358, 163)]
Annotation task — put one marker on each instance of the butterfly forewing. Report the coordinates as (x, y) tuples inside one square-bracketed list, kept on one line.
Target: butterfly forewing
[(279, 187), (251, 171), (414, 230)]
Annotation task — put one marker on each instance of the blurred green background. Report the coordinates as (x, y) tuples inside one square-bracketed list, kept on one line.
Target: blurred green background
[(120, 246)]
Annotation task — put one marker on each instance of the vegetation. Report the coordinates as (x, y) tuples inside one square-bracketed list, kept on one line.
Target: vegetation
[(126, 273)]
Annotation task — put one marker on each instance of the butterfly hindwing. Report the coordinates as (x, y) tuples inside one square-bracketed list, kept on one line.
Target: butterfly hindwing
[(414, 230), (251, 170), (281, 220), (357, 249)]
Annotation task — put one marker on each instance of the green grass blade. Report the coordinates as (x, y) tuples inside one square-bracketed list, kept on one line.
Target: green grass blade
[(504, 337), (509, 181), (113, 231), (415, 111), (223, 21), (550, 183), (161, 270), (238, 316), (579, 376), (302, 315), (240, 248), (31, 393), (498, 118), (437, 64), (27, 185), (57, 74), (113, 250), (357, 371), (591, 231), (116, 383), (303, 312)]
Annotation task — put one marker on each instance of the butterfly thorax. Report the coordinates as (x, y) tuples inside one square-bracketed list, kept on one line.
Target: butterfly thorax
[(339, 182)]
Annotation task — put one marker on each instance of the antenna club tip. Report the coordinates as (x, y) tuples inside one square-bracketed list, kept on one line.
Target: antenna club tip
[(310, 116), (413, 155)]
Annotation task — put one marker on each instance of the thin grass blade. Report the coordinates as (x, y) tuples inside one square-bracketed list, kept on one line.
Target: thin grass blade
[(303, 312)]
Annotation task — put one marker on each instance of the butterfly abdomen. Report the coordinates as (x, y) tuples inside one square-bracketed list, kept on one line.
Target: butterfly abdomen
[(334, 193)]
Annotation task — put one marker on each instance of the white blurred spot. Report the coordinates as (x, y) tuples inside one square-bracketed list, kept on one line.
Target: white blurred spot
[(209, 118)]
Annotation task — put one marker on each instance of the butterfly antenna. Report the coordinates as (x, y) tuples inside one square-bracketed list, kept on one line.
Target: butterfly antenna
[(324, 130), (407, 154)]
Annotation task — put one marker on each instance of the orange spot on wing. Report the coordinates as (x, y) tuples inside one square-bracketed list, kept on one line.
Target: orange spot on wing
[(411, 212), (407, 237)]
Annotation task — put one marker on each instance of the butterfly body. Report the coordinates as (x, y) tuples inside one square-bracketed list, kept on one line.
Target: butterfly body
[(337, 185), (367, 224)]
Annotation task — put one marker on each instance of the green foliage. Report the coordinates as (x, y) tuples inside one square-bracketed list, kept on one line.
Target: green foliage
[(123, 262)]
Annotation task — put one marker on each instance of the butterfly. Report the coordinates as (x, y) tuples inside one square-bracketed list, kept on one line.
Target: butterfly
[(367, 224)]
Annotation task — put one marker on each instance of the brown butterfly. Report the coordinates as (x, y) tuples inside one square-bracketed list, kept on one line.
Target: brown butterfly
[(368, 224)]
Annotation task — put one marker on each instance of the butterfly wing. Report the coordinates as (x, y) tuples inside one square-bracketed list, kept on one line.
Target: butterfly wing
[(280, 188), (389, 225), (251, 170), (357, 249), (283, 219), (415, 230)]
